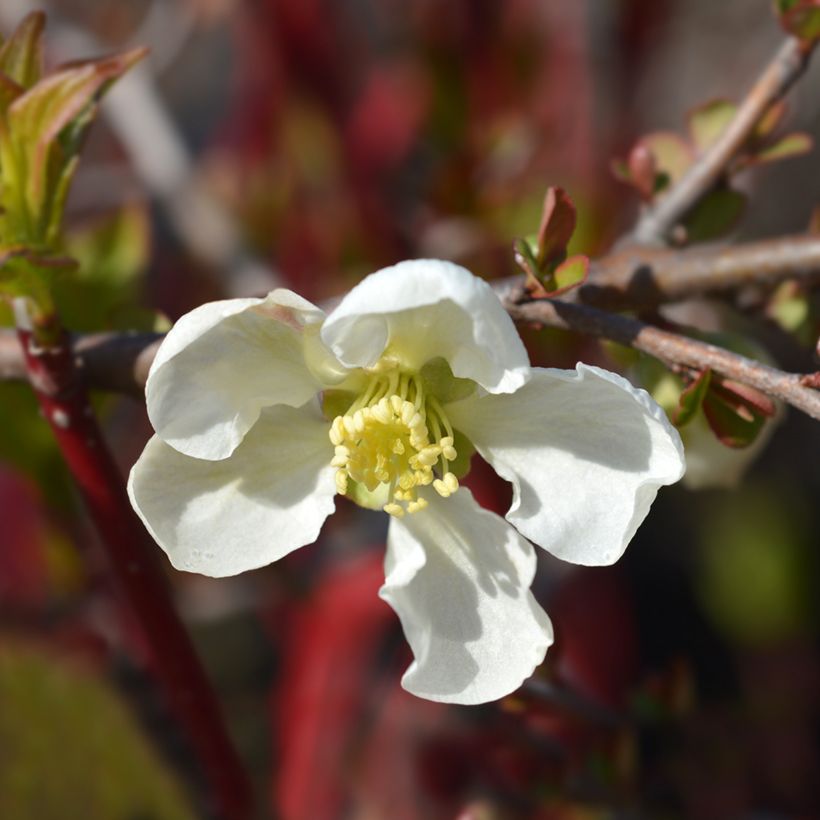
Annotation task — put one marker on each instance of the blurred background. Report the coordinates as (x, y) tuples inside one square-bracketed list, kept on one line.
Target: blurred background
[(306, 143)]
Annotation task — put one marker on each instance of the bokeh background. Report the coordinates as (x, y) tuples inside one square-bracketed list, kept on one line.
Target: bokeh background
[(306, 143)]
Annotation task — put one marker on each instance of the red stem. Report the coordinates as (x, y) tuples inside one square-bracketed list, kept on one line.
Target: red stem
[(65, 405)]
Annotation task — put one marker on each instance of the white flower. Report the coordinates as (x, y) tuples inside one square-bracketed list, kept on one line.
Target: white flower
[(422, 360)]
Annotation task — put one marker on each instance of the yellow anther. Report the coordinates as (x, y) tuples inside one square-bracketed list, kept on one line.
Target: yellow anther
[(441, 488), (341, 482), (450, 482), (337, 431), (418, 504), (394, 509)]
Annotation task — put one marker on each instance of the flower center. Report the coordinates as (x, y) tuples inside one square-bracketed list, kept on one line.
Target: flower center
[(385, 438)]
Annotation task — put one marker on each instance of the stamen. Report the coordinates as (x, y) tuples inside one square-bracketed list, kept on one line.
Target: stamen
[(384, 439)]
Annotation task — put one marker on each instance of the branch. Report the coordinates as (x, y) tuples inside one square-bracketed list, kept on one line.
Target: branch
[(54, 376), (785, 68), (640, 277), (671, 348)]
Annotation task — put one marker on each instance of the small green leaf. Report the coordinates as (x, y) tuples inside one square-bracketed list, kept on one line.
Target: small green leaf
[(672, 153), (21, 56), (802, 19), (569, 274), (790, 307), (709, 121), (792, 145), (691, 399), (716, 214)]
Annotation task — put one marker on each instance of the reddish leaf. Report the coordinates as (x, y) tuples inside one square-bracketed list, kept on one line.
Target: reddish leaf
[(643, 170), (734, 423), (739, 394), (557, 226)]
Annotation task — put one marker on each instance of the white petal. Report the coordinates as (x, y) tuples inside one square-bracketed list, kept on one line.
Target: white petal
[(586, 453), (459, 578), (425, 308), (222, 363), (219, 518)]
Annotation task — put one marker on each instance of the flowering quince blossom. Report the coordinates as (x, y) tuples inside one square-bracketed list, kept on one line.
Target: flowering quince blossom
[(265, 409)]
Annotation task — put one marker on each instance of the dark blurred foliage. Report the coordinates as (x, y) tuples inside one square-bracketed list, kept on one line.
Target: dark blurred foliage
[(340, 137)]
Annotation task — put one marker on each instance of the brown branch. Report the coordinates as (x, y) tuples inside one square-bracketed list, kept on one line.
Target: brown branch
[(640, 277), (671, 348), (779, 75), (633, 277)]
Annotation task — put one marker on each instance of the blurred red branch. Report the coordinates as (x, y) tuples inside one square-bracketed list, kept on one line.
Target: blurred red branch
[(53, 373), (780, 74)]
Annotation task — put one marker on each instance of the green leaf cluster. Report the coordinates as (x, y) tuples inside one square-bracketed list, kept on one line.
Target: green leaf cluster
[(543, 258), (43, 121)]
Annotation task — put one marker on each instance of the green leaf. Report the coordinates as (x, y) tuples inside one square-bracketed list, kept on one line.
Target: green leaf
[(569, 274), (792, 145), (691, 399), (716, 214), (709, 121), (21, 56), (790, 307), (37, 167), (802, 19), (672, 153)]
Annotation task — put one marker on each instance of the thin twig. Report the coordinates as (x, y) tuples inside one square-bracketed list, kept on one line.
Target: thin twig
[(671, 348), (779, 75)]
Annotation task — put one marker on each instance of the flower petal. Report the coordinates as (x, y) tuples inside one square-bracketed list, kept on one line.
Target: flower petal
[(586, 453), (222, 363), (458, 577), (425, 308), (224, 517)]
